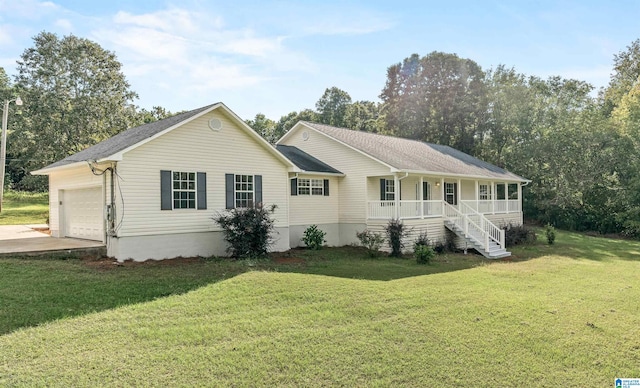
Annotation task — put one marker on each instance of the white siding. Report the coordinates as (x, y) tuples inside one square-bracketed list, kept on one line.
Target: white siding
[(315, 209), (356, 167), (194, 147), (69, 179), (468, 190), (433, 228)]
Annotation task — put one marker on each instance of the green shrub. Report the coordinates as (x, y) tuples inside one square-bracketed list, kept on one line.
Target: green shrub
[(371, 240), (423, 253), (247, 230), (314, 237), (422, 239), (519, 234), (396, 231), (550, 232)]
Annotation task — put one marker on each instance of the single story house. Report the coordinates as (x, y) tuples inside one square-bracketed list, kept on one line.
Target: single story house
[(150, 192)]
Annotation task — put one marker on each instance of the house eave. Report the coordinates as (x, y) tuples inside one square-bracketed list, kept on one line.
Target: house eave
[(446, 174)]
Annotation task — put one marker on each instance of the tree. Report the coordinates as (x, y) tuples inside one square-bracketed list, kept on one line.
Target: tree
[(332, 107), (75, 95), (439, 98), (363, 116), (287, 122), (148, 116), (265, 127), (626, 72)]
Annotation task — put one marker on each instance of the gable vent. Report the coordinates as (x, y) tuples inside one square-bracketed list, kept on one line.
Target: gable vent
[(215, 124)]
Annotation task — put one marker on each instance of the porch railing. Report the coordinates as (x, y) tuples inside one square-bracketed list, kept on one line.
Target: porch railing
[(474, 225), (406, 209), (497, 206)]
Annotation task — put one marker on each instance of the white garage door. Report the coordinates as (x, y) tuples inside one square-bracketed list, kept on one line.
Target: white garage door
[(83, 213)]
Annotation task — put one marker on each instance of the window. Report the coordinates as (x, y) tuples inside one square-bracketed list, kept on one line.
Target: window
[(244, 190), (307, 186), (184, 190), (450, 194), (310, 186), (484, 192), (389, 190)]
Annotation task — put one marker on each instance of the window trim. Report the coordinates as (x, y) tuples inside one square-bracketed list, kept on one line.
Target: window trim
[(181, 190), (453, 193), (485, 192), (238, 201), (389, 190), (306, 186)]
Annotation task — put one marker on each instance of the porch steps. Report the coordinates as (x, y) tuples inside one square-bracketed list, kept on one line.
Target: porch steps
[(474, 241)]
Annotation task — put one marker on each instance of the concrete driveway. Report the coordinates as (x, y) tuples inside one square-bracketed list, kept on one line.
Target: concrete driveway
[(25, 239)]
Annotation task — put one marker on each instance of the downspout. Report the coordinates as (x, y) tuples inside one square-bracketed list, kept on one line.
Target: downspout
[(112, 212)]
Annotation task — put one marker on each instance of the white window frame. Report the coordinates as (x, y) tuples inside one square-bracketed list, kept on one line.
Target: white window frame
[(389, 190), (244, 190), (309, 186), (448, 185), (184, 185), (484, 192)]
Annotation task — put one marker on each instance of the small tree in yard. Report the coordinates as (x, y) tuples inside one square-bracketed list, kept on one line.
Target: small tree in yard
[(314, 237), (247, 230), (396, 231)]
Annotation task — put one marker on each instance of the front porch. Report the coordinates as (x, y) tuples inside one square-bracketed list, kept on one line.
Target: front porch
[(419, 197)]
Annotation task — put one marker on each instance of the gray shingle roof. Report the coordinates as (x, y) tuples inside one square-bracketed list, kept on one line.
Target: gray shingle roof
[(305, 161), (413, 155), (126, 139)]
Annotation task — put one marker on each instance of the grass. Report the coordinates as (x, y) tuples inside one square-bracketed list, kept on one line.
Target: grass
[(566, 313), (20, 208)]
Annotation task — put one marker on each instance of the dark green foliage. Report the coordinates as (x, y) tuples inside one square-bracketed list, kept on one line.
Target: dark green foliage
[(371, 240), (550, 233), (314, 237), (422, 251), (518, 234), (247, 230), (396, 231), (423, 254)]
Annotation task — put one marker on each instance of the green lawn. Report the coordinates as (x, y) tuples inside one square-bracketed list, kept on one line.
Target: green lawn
[(20, 208), (566, 315)]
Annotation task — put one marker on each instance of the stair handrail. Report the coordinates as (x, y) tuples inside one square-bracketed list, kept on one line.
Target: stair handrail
[(489, 229), (466, 222)]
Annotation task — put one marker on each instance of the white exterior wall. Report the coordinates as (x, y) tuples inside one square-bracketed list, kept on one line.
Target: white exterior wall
[(69, 179), (356, 167), (194, 147), (315, 209)]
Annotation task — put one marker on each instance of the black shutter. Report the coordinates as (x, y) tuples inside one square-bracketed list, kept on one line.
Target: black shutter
[(201, 190), (229, 189), (382, 189), (165, 190), (326, 187), (294, 186), (257, 179), (425, 191), (455, 194)]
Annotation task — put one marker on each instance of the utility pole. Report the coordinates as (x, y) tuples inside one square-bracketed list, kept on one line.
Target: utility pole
[(3, 149)]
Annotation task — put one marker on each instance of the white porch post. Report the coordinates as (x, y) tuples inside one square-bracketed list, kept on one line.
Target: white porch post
[(421, 197), (459, 193), (494, 193), (396, 195), (442, 197), (520, 195), (477, 197)]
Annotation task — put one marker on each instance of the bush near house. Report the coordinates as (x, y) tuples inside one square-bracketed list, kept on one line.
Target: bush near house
[(314, 237), (372, 241), (247, 230), (396, 231)]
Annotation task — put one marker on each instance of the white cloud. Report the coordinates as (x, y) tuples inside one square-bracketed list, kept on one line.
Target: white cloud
[(64, 24)]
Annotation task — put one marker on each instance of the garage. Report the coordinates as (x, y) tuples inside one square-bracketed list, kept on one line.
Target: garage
[(82, 210)]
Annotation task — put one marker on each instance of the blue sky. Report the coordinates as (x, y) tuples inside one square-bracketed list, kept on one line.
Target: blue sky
[(275, 57)]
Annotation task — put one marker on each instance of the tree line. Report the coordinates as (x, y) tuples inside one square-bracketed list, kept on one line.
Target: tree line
[(581, 152), (581, 149)]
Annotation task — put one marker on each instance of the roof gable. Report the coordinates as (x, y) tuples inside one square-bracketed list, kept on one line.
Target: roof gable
[(114, 147), (412, 155)]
